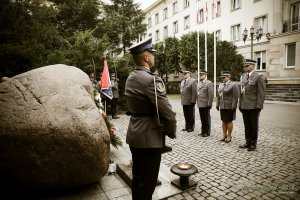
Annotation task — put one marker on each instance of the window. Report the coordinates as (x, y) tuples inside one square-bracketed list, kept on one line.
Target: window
[(149, 22), (261, 22), (157, 35), (165, 31), (201, 16), (156, 18), (235, 32), (187, 22), (217, 9), (290, 55), (186, 3), (175, 27), (260, 60), (165, 13), (218, 34), (235, 4), (175, 7), (295, 16)]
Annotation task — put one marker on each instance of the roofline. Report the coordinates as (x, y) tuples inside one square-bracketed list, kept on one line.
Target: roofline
[(153, 5)]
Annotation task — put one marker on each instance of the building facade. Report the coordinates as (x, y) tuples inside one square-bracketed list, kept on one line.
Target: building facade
[(277, 51)]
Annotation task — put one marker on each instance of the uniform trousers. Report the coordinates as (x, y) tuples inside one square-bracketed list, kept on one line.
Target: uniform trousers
[(114, 107), (205, 120), (145, 169), (189, 116), (251, 118)]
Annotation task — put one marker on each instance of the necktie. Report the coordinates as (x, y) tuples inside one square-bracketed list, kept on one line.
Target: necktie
[(247, 76)]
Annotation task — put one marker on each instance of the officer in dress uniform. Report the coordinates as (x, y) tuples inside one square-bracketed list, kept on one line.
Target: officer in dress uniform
[(115, 93), (150, 113), (253, 91), (205, 95), (227, 100), (188, 90)]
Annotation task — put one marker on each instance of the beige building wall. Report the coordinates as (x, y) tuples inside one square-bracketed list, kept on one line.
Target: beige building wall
[(272, 43)]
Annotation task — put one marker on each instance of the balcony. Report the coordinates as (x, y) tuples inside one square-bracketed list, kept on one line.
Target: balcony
[(291, 25)]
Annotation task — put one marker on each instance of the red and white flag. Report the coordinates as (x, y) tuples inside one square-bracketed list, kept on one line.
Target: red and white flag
[(105, 81)]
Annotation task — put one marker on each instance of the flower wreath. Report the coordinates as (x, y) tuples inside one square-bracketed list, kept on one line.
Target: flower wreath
[(114, 139)]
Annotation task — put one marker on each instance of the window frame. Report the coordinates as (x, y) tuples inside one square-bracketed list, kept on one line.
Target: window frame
[(165, 13), (157, 35), (166, 30), (175, 27), (186, 21), (237, 33), (186, 3), (238, 5), (149, 22), (175, 7), (259, 65), (157, 18), (286, 55), (263, 21)]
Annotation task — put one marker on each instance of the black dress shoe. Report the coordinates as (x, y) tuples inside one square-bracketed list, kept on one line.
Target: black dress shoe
[(222, 140), (184, 129), (204, 135), (190, 130), (252, 148), (115, 117), (244, 146)]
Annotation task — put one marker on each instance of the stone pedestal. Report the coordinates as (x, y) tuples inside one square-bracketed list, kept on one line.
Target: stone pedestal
[(184, 182)]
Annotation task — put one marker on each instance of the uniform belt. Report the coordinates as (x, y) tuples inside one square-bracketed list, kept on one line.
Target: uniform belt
[(143, 115)]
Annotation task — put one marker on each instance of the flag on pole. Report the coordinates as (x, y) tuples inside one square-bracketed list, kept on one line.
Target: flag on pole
[(105, 81)]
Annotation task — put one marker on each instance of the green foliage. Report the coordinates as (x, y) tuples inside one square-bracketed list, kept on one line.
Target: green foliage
[(27, 35), (76, 15), (123, 22), (83, 49), (172, 58), (226, 55)]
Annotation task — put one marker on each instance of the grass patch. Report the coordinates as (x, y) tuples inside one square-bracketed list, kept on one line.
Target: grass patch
[(173, 96)]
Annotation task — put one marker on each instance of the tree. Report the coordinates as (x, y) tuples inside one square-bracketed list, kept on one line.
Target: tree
[(227, 57), (86, 52), (76, 15), (27, 36), (122, 22), (172, 58)]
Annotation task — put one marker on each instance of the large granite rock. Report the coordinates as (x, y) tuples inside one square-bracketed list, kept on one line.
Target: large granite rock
[(52, 136)]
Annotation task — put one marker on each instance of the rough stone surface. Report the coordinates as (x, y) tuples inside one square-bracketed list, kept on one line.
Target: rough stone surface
[(52, 136)]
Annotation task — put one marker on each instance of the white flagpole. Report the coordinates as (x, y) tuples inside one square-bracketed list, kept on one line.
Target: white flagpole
[(198, 39), (215, 52), (206, 18)]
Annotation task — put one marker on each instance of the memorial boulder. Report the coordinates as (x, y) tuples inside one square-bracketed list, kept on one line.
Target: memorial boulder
[(52, 135)]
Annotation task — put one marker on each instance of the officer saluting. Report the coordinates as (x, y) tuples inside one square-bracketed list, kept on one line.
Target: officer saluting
[(252, 97), (151, 112)]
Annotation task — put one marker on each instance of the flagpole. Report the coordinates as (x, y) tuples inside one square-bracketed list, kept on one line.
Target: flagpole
[(198, 37), (215, 53), (206, 37), (198, 53)]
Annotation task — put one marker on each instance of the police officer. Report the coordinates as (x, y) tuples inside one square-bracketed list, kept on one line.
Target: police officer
[(205, 95), (115, 93), (188, 90), (227, 100), (253, 91), (150, 113)]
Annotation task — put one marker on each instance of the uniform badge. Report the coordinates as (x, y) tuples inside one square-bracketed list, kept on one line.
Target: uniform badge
[(160, 87)]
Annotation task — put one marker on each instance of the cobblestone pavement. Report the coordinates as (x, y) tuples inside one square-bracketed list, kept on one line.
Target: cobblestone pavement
[(227, 172)]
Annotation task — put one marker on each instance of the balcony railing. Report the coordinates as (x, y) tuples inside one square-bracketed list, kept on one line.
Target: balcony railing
[(291, 25)]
